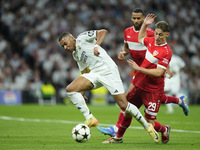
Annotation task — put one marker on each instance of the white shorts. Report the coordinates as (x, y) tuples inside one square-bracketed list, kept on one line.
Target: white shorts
[(112, 81)]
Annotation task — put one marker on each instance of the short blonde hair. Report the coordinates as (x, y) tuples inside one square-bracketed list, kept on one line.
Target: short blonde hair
[(164, 26)]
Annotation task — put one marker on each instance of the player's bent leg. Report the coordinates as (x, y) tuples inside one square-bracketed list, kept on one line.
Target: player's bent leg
[(73, 89), (169, 99), (80, 84), (134, 111), (130, 108), (78, 100), (117, 124), (121, 100)]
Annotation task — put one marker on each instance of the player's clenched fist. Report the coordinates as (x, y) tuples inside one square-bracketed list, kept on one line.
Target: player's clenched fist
[(121, 55), (96, 51)]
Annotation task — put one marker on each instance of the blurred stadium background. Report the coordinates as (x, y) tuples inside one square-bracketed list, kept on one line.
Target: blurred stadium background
[(30, 55)]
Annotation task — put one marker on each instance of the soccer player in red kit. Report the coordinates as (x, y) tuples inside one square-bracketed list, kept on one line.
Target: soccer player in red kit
[(149, 87), (137, 52)]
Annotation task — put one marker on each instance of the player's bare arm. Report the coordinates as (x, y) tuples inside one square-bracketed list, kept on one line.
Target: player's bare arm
[(125, 51), (147, 21), (158, 72), (101, 34)]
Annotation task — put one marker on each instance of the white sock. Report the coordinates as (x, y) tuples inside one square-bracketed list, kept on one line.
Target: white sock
[(134, 111), (115, 128), (170, 108), (79, 102), (179, 102)]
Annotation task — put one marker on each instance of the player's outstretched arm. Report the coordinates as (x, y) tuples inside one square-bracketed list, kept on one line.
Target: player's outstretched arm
[(101, 34), (147, 21), (158, 72), (125, 51)]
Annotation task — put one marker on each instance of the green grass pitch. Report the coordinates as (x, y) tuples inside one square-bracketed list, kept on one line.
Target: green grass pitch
[(49, 127)]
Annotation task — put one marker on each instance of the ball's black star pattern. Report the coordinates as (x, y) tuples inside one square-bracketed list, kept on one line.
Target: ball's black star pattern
[(81, 133)]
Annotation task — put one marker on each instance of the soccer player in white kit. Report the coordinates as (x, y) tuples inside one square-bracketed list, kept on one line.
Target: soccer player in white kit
[(172, 86), (87, 51)]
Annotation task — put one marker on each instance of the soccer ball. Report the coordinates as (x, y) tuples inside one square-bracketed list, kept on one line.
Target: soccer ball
[(81, 133)]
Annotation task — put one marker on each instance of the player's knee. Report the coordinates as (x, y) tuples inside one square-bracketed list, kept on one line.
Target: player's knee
[(69, 89), (122, 105)]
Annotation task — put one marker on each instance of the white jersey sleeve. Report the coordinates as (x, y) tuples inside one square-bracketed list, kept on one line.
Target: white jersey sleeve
[(89, 36), (84, 54), (176, 64)]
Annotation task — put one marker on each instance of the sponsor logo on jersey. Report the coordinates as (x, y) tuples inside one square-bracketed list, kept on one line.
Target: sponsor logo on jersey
[(166, 61), (83, 57), (155, 53)]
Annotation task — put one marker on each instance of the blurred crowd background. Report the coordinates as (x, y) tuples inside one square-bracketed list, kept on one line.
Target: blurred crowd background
[(30, 54)]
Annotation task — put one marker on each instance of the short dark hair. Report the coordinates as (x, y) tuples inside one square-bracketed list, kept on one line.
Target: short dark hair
[(138, 10), (164, 26), (64, 34)]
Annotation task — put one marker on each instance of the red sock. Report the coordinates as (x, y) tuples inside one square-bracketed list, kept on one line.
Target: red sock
[(169, 99), (125, 123), (120, 118), (159, 128)]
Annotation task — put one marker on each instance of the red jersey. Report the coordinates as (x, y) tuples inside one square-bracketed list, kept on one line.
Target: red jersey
[(136, 50), (155, 56)]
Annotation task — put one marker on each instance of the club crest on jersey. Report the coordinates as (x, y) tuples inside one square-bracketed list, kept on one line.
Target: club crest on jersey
[(79, 48), (155, 53), (90, 33)]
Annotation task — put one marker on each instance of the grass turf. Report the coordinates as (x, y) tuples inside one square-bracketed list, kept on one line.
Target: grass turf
[(49, 127)]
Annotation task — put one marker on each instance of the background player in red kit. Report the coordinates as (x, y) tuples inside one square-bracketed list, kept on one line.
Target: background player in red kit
[(149, 87), (137, 52)]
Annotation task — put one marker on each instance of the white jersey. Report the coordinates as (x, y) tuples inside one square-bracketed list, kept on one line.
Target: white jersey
[(84, 54), (176, 64), (173, 84)]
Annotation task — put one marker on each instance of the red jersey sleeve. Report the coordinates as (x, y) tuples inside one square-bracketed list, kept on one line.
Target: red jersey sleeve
[(150, 32), (165, 58), (146, 41)]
